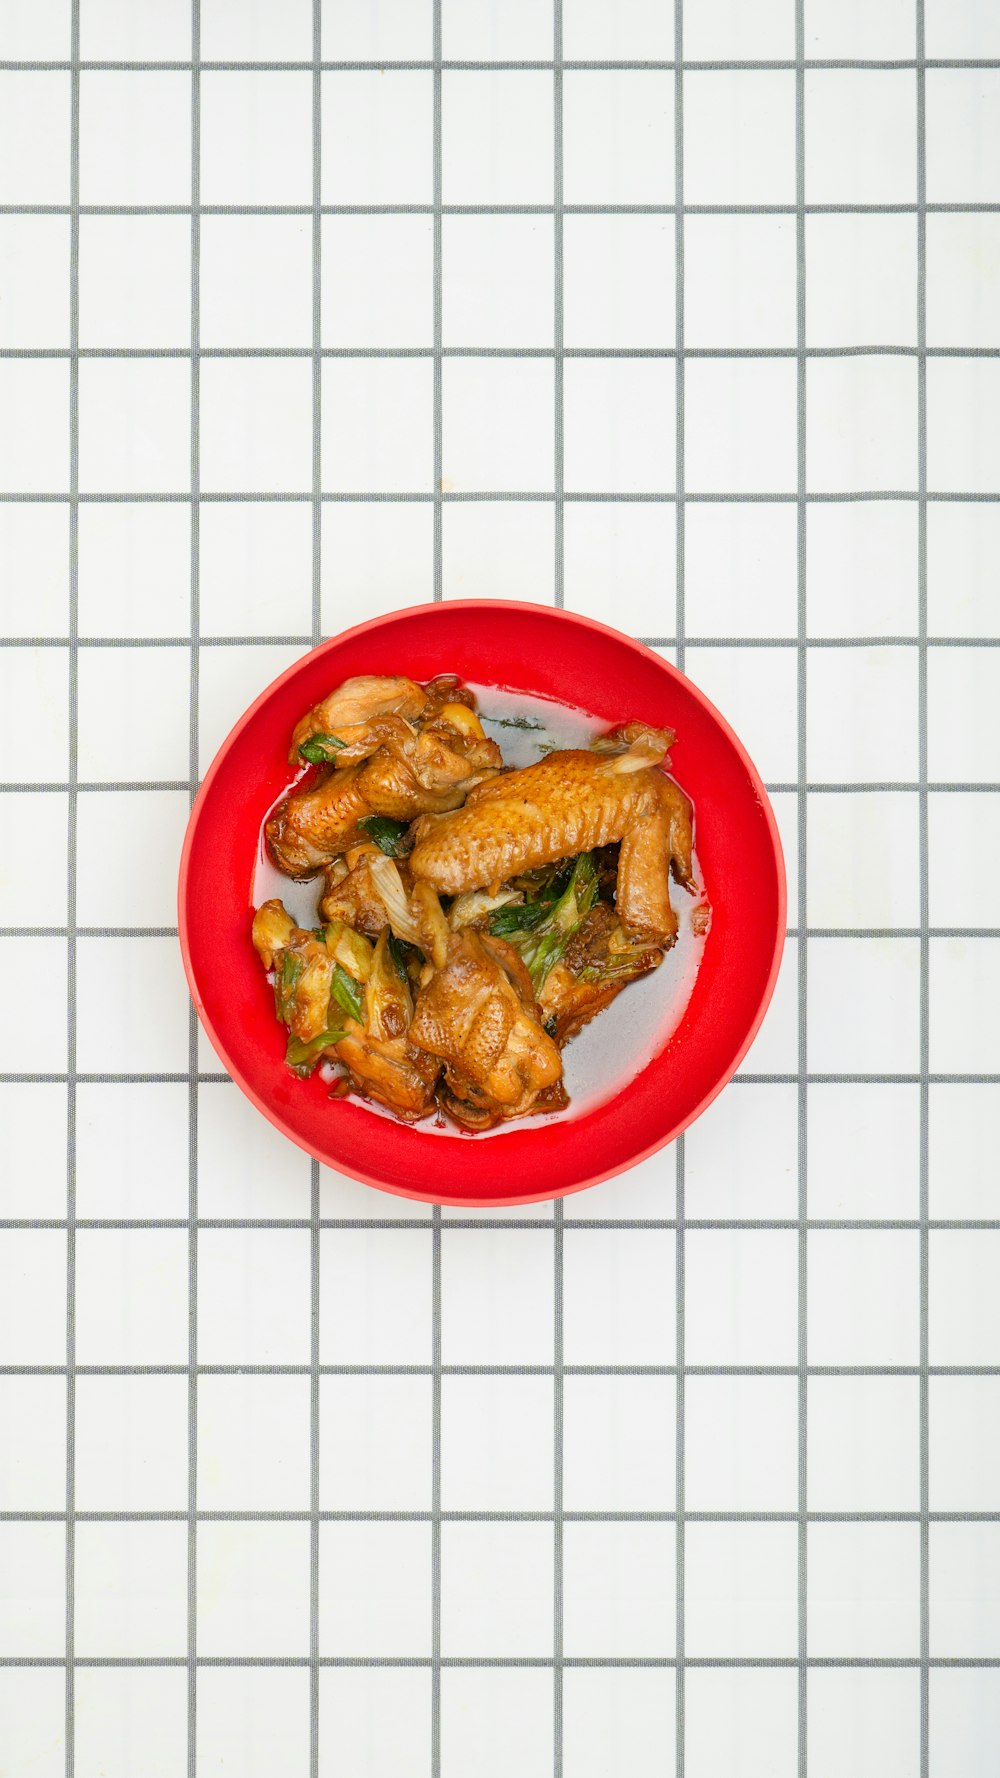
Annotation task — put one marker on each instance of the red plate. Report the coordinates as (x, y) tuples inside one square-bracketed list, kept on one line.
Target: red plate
[(554, 654)]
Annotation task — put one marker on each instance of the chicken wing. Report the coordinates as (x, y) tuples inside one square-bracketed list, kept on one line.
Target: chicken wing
[(599, 960)]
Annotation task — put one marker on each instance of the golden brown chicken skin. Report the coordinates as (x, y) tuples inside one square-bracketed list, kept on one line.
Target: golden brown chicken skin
[(599, 961), (568, 803)]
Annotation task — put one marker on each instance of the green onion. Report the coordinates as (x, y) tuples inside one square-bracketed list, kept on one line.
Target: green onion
[(303, 1057), (286, 979), (388, 835), (318, 749), (518, 919), (346, 992), (542, 948), (513, 722)]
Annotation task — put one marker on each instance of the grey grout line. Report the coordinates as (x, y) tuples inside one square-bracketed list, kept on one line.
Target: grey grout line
[(505, 65), (529, 1224), (924, 859), (317, 596), (71, 890), (559, 331), (558, 1466), (776, 1078), (627, 353), (436, 1372), (437, 313), (509, 497), (193, 771), (876, 1663), (933, 209), (271, 641), (494, 1515), (680, 643), (558, 587), (501, 1370), (802, 911), (938, 787), (790, 931)]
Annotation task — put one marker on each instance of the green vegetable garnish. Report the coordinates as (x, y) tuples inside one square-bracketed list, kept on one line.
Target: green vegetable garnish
[(303, 1057), (513, 722), (388, 835), (346, 992), (286, 979), (518, 919), (319, 749), (542, 945)]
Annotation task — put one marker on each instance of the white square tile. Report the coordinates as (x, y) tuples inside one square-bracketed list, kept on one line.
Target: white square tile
[(740, 1296), (253, 31), (631, 31), (861, 136), (377, 425), (741, 569), (376, 1590), (969, 30), (33, 1148), (34, 551), (619, 1447), (37, 33), (253, 1588), (361, 306), (378, 1718), (496, 138), (741, 1157), (864, 1723), (740, 1589), (963, 436), (964, 1129), (376, 556), (755, 690), (616, 435), (963, 857), (354, 30), (34, 445), (131, 1443), (741, 1444), (254, 1720), (256, 138), (375, 1443), (135, 280), (842, 30), (496, 1589), (253, 1296), (730, 31), (256, 425), (135, 425), (33, 1456), (132, 1006), (964, 1721), (497, 281), (34, 138), (132, 1296), (42, 962), (256, 281), (497, 1294), (33, 1305), (245, 1167), (863, 1005), (377, 137), (964, 1311), (117, 31), (741, 1721), (864, 1444), (740, 426), (255, 569), (864, 1296), (617, 1719), (864, 1590), (880, 828), (619, 1589), (618, 136), (496, 1444), (863, 1151), (28, 897), (739, 281), (861, 273), (135, 138), (32, 1709), (739, 138), (618, 1294), (861, 568), (515, 452), (861, 714), (963, 742), (963, 266), (131, 1589), (648, 1190), (253, 1444), (618, 281), (499, 550), (125, 546), (963, 121), (132, 1149), (861, 424), (32, 1589), (478, 31), (965, 978), (31, 681), (964, 1446), (34, 301), (965, 1591), (228, 682), (620, 558), (129, 885), (495, 1721), (375, 1296)]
